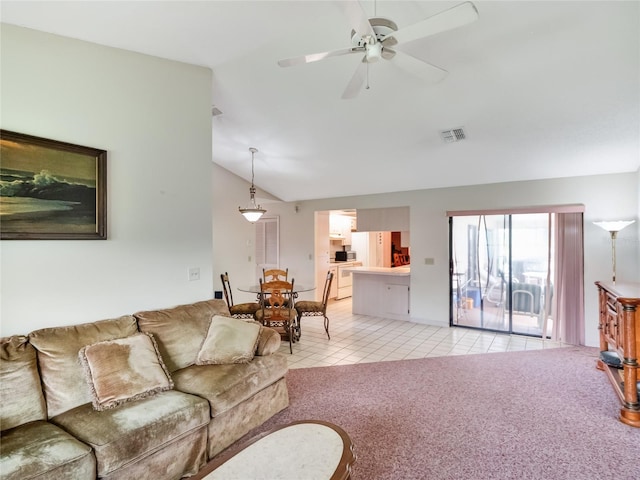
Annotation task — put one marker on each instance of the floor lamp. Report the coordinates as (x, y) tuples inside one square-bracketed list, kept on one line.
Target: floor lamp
[(613, 228)]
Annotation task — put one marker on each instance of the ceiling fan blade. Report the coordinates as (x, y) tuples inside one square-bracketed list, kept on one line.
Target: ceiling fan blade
[(388, 54), (314, 57), (419, 68), (357, 18), (440, 22), (355, 84), (389, 41)]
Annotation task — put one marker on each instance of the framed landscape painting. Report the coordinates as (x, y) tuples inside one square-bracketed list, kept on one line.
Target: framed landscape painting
[(51, 190)]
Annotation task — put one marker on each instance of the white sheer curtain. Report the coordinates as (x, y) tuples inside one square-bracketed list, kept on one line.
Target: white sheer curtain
[(568, 292)]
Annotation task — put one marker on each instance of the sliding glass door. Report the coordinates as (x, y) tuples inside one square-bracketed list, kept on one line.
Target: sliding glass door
[(501, 269)]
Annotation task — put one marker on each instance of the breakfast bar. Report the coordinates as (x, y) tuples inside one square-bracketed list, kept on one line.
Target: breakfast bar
[(381, 291)]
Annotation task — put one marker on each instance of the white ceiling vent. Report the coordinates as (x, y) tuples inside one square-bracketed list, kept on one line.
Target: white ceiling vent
[(453, 135), (215, 111)]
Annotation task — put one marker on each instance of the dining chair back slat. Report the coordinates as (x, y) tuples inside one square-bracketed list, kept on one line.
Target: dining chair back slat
[(277, 308), (273, 274)]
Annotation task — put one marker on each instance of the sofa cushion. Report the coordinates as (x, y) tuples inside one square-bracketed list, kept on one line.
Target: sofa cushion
[(124, 370), (225, 386), (62, 374), (229, 340), (134, 430), (181, 330), (21, 398), (42, 450), (182, 458)]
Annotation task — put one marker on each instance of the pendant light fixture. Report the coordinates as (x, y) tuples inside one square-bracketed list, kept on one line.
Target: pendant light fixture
[(253, 211)]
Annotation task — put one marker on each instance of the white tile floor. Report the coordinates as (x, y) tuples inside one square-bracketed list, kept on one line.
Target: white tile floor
[(361, 339)]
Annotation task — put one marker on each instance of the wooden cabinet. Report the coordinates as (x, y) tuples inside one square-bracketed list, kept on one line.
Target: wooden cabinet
[(619, 325)]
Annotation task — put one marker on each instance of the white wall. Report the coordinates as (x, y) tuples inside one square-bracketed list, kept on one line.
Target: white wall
[(606, 197), (234, 237), (153, 117), (638, 211)]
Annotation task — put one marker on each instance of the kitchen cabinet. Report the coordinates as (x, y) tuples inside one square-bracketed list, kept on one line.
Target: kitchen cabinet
[(394, 219), (340, 229), (346, 237), (396, 300)]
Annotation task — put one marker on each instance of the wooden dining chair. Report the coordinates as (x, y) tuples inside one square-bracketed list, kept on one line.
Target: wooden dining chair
[(309, 308), (272, 274), (275, 274), (240, 310), (277, 308)]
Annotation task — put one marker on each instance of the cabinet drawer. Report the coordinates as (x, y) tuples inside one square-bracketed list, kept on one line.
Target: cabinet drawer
[(611, 327)]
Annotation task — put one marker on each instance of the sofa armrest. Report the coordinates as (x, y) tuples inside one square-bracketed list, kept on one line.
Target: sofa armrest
[(21, 397), (268, 341)]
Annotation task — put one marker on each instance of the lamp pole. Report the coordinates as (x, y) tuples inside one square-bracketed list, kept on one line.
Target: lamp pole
[(613, 228), (614, 234)]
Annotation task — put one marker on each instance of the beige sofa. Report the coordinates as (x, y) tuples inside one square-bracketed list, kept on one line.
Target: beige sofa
[(51, 427)]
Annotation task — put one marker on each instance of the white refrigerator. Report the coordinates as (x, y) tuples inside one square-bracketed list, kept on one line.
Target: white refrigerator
[(372, 248)]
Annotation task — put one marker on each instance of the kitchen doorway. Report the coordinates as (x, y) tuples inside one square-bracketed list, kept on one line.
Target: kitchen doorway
[(501, 272)]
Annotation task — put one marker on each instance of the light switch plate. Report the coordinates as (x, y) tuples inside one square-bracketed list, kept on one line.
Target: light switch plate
[(194, 274)]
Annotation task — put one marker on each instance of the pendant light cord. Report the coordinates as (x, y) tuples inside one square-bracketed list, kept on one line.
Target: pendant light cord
[(253, 151)]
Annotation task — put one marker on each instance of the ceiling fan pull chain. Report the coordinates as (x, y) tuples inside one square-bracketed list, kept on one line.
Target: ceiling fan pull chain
[(367, 87)]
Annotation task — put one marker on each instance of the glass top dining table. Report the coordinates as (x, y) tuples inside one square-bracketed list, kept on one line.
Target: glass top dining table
[(297, 288)]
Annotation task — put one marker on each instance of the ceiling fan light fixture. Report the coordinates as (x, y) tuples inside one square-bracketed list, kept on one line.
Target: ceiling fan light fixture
[(374, 36), (253, 211), (374, 52)]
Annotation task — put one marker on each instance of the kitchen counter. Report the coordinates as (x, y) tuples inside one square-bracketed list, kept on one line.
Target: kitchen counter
[(393, 271), (381, 291)]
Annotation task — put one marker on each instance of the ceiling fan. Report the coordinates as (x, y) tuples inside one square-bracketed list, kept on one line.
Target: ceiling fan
[(376, 36)]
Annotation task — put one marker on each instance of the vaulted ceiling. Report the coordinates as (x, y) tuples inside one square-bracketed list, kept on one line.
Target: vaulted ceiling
[(542, 89)]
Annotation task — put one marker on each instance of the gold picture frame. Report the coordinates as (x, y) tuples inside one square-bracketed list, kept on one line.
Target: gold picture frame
[(51, 190)]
